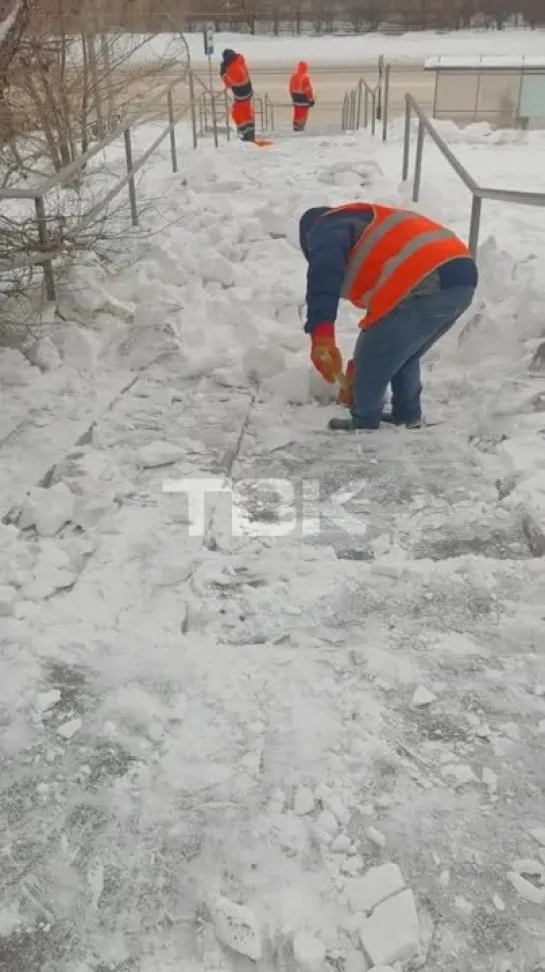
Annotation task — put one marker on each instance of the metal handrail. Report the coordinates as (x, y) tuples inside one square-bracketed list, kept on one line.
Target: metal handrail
[(48, 249), (478, 192), (375, 104)]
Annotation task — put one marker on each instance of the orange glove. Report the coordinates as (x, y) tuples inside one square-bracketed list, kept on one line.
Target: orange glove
[(324, 353), (345, 396)]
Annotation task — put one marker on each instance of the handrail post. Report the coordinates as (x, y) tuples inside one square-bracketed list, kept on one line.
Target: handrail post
[(475, 224), (193, 108), (358, 99), (406, 141), (214, 119), (343, 114), (380, 68), (366, 108), (173, 153), (385, 104), (132, 187), (49, 279), (227, 118), (418, 161), (373, 117)]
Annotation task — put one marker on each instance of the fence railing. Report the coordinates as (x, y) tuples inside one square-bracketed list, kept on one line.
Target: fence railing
[(426, 127), (368, 104), (49, 249)]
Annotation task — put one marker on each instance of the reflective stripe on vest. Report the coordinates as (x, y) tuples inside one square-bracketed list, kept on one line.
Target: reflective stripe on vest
[(394, 254)]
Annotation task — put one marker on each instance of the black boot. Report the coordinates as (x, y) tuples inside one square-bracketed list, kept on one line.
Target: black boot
[(340, 425), (415, 423)]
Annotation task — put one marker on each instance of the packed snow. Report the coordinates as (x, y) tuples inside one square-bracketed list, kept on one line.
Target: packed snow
[(315, 742), (338, 51)]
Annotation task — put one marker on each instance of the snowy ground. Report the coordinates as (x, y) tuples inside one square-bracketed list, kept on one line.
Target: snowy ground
[(184, 715), (336, 51)]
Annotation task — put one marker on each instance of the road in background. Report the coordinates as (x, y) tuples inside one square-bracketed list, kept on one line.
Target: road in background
[(331, 85)]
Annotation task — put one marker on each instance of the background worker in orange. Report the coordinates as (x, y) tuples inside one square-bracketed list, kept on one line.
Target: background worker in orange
[(302, 96), (234, 74), (414, 277)]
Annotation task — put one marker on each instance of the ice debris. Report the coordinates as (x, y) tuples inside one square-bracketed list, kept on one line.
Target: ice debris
[(158, 454), (422, 697), (303, 801), (235, 926), (308, 951), (376, 837), (47, 509), (391, 933), (69, 729), (378, 884), (525, 889)]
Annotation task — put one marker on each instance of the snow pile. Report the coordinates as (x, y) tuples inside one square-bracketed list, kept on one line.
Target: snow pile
[(328, 49), (296, 718)]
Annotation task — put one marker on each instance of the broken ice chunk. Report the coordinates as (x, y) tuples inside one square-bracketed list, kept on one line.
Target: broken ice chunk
[(422, 697), (303, 801), (69, 729), (392, 933), (308, 951), (526, 890), (235, 926), (374, 887), (158, 454), (47, 509)]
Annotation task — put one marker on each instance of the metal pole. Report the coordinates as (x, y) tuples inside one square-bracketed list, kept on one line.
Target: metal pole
[(173, 155), (343, 115), (49, 279), (418, 161), (373, 116), (475, 224), (214, 120), (406, 141), (379, 86), (358, 100), (353, 110), (132, 187), (521, 84), (386, 105), (193, 108), (477, 97), (366, 108), (435, 92), (227, 119)]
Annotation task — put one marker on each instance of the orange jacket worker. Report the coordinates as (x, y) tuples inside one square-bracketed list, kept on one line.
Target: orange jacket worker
[(413, 277), (302, 96), (235, 77)]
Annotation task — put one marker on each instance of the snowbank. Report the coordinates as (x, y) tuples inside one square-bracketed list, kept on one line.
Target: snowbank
[(339, 51), (286, 739)]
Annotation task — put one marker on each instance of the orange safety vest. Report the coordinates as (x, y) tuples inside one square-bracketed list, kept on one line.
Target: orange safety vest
[(237, 78), (392, 255), (300, 86)]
